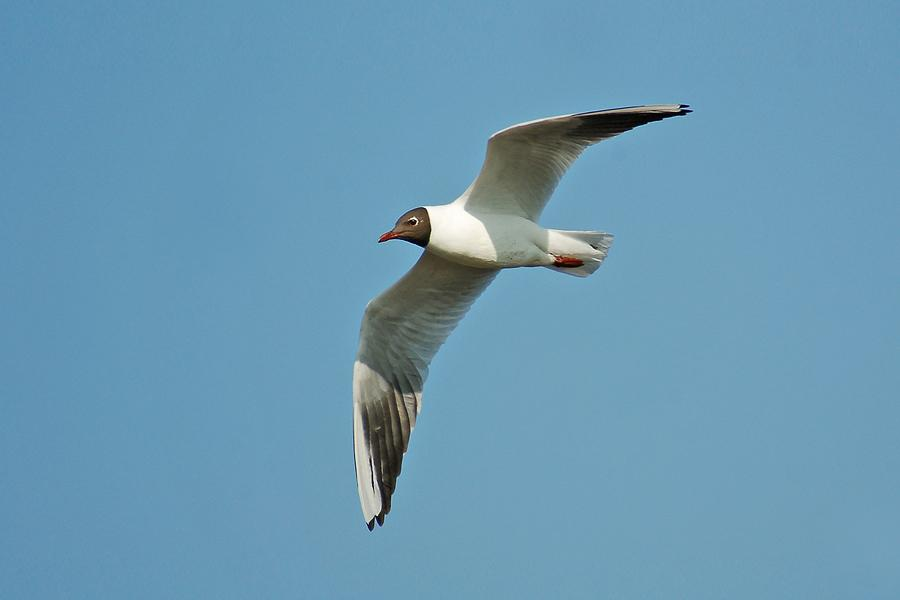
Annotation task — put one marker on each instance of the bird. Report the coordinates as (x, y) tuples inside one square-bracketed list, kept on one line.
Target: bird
[(491, 226)]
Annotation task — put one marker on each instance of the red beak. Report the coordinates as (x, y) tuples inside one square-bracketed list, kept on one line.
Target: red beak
[(388, 236)]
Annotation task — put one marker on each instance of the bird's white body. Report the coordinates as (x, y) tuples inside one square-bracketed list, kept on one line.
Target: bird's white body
[(483, 240), (502, 241)]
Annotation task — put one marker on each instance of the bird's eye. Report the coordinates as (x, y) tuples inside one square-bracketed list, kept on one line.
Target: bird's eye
[(414, 221)]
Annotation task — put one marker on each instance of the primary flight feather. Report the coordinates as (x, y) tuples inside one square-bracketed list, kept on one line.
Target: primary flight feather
[(491, 226)]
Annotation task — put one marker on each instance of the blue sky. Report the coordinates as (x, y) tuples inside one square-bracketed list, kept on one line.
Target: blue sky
[(191, 195)]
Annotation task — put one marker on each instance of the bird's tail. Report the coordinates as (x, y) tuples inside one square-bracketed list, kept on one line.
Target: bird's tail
[(588, 247)]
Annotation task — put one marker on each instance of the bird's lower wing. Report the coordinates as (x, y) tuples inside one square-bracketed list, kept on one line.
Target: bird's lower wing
[(401, 331)]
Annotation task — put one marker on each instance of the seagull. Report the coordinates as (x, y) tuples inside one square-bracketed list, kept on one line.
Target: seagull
[(491, 226)]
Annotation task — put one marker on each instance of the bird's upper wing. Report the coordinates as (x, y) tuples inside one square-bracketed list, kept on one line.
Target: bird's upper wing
[(401, 331), (525, 162)]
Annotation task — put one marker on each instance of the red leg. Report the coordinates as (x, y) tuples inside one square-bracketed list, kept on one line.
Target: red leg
[(567, 262)]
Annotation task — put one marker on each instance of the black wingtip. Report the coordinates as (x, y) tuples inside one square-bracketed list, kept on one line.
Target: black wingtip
[(685, 109), (379, 518)]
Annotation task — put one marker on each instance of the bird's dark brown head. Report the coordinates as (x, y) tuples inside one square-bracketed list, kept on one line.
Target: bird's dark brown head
[(414, 226)]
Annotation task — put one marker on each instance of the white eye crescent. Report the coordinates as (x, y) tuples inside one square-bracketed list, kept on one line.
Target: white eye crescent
[(414, 221)]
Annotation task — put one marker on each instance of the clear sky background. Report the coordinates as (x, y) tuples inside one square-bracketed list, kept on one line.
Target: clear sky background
[(191, 194)]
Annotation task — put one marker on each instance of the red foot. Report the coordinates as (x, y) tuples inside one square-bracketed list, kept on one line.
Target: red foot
[(567, 262)]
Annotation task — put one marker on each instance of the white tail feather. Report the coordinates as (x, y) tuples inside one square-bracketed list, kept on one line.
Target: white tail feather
[(590, 247)]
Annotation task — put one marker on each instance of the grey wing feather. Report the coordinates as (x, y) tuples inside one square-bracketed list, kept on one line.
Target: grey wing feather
[(401, 331), (525, 162)]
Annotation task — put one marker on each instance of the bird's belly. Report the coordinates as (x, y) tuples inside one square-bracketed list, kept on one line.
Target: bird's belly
[(491, 241)]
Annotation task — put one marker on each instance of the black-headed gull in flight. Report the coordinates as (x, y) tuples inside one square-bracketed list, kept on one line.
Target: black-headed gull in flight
[(491, 226)]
